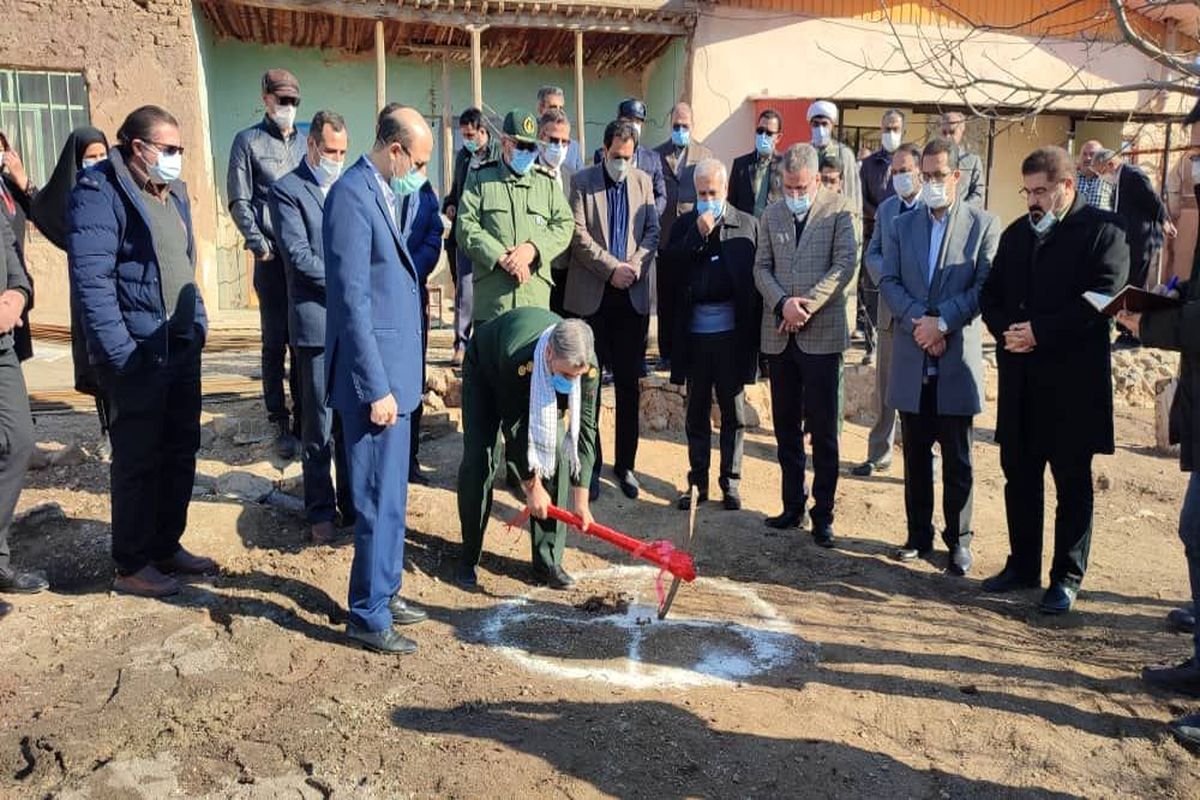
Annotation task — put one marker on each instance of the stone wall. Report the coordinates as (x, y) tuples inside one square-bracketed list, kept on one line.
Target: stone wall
[(131, 53)]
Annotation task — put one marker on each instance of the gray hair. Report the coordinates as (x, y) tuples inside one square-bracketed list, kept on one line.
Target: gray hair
[(708, 167), (892, 113), (573, 342), (801, 157), (549, 91), (553, 116)]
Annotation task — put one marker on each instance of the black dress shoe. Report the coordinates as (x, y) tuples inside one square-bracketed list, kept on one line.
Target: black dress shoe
[(911, 552), (1007, 580), (1182, 620), (17, 582), (868, 468), (684, 503), (404, 614), (1184, 679), (823, 535), (594, 492), (466, 577), (629, 484), (731, 500), (1187, 730), (960, 561), (1058, 599), (287, 446), (384, 641), (790, 518), (418, 477), (556, 578), (5, 608)]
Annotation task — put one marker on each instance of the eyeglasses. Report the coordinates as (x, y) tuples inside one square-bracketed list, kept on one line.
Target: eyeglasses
[(526, 147), (288, 101), (166, 149), (761, 131)]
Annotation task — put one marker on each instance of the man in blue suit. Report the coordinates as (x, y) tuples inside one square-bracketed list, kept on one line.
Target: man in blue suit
[(297, 202), (935, 261), (373, 349)]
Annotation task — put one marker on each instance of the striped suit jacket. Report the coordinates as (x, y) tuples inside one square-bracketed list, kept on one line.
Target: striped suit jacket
[(820, 267)]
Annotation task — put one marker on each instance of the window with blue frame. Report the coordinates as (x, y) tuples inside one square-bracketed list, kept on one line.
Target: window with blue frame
[(38, 110)]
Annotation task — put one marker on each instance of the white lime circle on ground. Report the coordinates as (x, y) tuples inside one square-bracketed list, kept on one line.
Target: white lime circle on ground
[(744, 637)]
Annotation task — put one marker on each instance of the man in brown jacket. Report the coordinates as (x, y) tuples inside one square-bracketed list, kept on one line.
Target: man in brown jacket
[(608, 280)]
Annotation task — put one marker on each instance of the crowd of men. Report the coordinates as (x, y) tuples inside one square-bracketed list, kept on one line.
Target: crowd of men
[(757, 269)]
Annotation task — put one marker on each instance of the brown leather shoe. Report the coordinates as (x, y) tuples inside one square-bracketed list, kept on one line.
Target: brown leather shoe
[(146, 582), (184, 563), (323, 533)]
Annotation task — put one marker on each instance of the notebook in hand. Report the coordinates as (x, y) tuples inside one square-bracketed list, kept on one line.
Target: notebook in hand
[(1132, 299)]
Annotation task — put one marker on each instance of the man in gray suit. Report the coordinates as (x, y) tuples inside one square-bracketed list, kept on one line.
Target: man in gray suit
[(608, 281), (806, 255), (298, 209), (935, 261), (554, 139), (905, 170)]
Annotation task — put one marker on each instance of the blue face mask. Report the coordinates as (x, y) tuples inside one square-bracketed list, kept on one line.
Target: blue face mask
[(561, 383), (798, 205), (522, 160), (471, 145), (764, 144), (681, 136), (412, 182), (715, 207)]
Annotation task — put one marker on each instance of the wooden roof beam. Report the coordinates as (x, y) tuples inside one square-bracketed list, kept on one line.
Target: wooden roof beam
[(545, 20)]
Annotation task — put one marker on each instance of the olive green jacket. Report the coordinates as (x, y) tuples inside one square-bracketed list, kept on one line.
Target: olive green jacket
[(499, 210), (498, 370)]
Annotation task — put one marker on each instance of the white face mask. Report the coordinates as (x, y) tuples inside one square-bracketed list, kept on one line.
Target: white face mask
[(891, 140), (284, 117), (328, 170), (167, 169), (553, 155), (935, 195), (905, 184), (618, 168), (821, 135)]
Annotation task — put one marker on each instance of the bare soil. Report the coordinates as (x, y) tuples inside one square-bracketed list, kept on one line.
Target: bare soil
[(854, 675)]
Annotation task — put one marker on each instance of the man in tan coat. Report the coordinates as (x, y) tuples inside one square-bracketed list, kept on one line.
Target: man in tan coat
[(807, 251), (608, 280)]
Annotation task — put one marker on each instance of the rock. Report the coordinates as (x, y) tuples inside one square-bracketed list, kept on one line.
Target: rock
[(244, 486), (433, 402), (991, 387), (284, 502), (56, 454), (39, 515), (453, 395), (437, 381), (1162, 418), (437, 424), (226, 427), (1103, 482), (208, 437), (292, 485)]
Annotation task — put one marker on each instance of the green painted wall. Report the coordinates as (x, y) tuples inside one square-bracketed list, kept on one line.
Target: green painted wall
[(330, 79)]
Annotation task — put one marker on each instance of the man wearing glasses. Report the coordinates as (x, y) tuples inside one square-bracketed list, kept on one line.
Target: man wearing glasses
[(551, 98), (261, 155), (513, 221), (934, 263), (755, 181), (680, 154), (1052, 348)]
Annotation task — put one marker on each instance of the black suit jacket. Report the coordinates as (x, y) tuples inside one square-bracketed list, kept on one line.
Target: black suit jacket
[(1058, 396), (741, 182), (686, 252), (1144, 214)]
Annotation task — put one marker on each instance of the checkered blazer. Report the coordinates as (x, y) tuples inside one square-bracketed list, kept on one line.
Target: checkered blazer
[(820, 267)]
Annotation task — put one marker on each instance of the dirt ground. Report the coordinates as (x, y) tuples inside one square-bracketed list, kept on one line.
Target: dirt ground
[(787, 671)]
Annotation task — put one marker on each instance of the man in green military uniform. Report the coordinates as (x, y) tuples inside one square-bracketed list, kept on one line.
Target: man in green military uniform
[(513, 220), (532, 377)]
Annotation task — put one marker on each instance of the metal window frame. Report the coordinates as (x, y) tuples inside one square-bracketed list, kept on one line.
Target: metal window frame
[(34, 153)]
